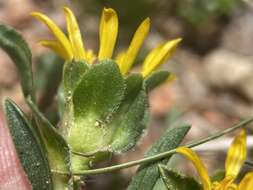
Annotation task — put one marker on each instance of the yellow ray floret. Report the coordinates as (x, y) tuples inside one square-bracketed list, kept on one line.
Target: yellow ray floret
[(247, 182), (75, 36), (61, 38), (108, 33), (72, 47), (202, 171), (235, 159), (55, 46), (90, 56), (225, 184), (236, 155), (159, 55), (127, 59)]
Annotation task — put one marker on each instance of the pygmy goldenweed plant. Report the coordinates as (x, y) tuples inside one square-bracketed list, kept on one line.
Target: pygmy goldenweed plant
[(103, 110)]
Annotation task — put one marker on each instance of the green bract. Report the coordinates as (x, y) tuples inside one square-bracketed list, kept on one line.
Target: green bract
[(104, 112)]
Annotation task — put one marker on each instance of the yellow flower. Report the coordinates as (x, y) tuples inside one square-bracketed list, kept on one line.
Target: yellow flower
[(236, 157), (71, 46)]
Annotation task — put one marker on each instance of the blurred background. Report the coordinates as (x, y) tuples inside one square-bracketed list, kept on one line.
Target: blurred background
[(213, 65)]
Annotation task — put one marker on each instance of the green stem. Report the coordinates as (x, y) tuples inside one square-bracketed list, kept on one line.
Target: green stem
[(161, 155)]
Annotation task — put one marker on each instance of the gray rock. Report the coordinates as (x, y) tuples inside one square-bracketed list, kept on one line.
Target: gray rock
[(226, 69)]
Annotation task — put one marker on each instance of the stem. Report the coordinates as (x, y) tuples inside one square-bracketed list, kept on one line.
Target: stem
[(161, 155)]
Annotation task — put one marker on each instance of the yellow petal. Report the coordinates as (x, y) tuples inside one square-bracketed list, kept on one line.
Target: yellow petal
[(159, 55), (232, 187), (57, 47), (247, 182), (74, 34), (201, 169), (56, 31), (135, 45), (119, 58), (154, 52), (90, 56), (236, 155), (225, 184), (108, 33)]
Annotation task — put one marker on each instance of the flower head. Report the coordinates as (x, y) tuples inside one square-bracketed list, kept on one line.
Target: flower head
[(71, 46), (236, 157)]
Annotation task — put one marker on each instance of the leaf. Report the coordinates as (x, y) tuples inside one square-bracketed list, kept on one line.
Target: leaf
[(58, 152), (95, 99), (175, 181), (148, 174), (155, 79), (129, 121), (61, 103), (159, 185), (218, 175), (72, 74), (15, 46), (29, 148), (48, 68)]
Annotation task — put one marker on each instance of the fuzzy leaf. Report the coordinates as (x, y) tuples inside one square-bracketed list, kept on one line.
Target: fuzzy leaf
[(15, 46), (148, 174), (58, 152), (61, 103), (129, 121), (95, 99), (29, 148), (155, 79), (72, 74), (175, 181)]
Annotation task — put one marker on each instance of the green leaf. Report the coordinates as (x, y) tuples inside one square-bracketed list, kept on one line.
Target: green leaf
[(148, 174), (58, 152), (15, 46), (61, 103), (48, 68), (95, 99), (159, 185), (72, 74), (29, 148), (175, 181), (218, 175), (129, 121), (155, 79)]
